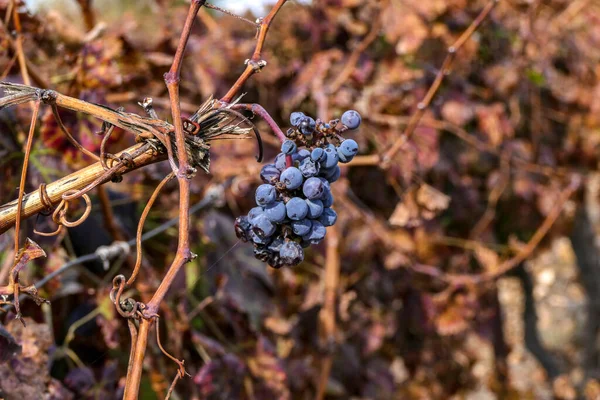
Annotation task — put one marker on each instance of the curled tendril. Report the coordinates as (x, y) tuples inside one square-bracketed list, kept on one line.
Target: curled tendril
[(126, 308), (190, 127), (181, 368), (65, 204), (104, 155), (59, 214)]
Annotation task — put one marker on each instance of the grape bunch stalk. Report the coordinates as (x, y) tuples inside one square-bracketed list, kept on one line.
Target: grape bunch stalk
[(294, 203)]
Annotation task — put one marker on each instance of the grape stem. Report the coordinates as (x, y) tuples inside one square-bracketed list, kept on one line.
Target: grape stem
[(261, 112), (255, 63), (288, 160)]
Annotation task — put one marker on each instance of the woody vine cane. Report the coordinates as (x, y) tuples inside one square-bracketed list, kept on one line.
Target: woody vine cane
[(183, 174)]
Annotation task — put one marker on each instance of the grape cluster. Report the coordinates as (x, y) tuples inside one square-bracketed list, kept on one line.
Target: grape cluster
[(294, 203)]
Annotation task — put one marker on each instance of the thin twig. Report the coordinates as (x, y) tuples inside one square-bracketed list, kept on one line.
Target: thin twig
[(138, 237), (327, 314), (388, 156), (36, 109), (31, 70), (19, 44), (70, 137), (108, 216), (462, 134), (9, 66), (181, 370), (255, 63), (490, 211), (522, 255), (350, 65)]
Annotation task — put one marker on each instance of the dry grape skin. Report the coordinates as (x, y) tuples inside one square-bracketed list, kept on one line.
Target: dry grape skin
[(294, 203)]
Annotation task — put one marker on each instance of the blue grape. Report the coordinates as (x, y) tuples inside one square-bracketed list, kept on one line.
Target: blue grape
[(269, 173), (265, 194), (280, 230), (262, 226), (291, 178), (301, 155), (348, 148), (307, 126), (327, 199), (257, 239), (301, 227), (275, 212), (315, 208), (242, 228), (318, 154), (332, 174), (351, 119), (296, 208), (328, 217), (280, 161), (325, 183), (254, 212), (288, 147), (308, 168), (313, 188), (275, 245), (335, 176), (316, 234), (342, 157), (291, 253), (332, 157), (296, 117)]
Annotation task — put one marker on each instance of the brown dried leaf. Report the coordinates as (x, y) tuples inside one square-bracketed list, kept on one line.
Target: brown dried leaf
[(503, 78), (424, 203), (458, 112), (432, 199), (30, 251), (27, 376), (487, 258), (404, 29), (406, 214), (494, 123), (317, 68)]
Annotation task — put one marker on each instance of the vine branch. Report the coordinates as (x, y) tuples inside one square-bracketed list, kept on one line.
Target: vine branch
[(255, 63), (389, 155)]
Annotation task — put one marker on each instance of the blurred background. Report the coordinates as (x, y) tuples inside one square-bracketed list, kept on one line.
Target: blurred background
[(377, 311)]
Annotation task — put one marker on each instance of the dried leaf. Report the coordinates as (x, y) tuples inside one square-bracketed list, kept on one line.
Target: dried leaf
[(494, 123), (458, 112), (487, 258), (29, 252), (432, 199)]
